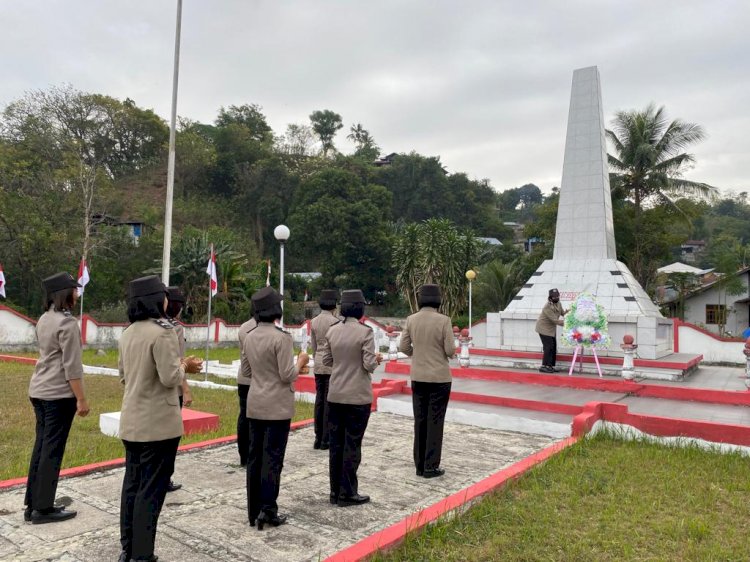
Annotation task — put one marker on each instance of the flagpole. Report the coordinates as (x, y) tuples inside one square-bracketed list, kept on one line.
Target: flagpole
[(208, 327)]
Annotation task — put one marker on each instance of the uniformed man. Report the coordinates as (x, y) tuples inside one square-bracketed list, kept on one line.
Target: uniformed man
[(174, 311), (318, 329), (546, 326), (352, 357), (57, 395), (270, 406), (150, 421), (428, 340), (243, 386)]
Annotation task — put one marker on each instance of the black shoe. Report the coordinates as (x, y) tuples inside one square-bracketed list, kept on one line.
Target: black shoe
[(316, 445), (434, 473), (333, 498), (420, 472), (555, 369), (152, 558), (124, 557), (353, 500), (252, 522), (39, 518), (324, 446), (28, 510), (172, 487), (273, 520), (545, 369)]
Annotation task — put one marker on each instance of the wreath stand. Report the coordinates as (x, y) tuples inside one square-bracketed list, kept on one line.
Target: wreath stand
[(578, 353)]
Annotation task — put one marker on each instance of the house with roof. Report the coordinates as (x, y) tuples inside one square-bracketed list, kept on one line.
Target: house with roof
[(706, 302)]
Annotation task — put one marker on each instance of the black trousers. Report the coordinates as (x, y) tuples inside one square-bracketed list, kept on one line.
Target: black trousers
[(53, 421), (321, 409), (180, 399), (148, 466), (347, 424), (265, 460), (549, 345), (429, 402), (243, 426)]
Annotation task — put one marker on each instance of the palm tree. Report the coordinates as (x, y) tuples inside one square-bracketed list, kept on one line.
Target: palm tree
[(648, 164), (498, 283)]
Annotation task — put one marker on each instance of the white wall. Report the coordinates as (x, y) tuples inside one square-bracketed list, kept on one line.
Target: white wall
[(737, 314), (714, 350)]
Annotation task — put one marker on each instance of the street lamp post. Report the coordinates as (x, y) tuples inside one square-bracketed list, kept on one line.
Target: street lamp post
[(281, 233), (470, 275)]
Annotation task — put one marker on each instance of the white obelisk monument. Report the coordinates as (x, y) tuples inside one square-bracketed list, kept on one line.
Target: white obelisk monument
[(584, 257)]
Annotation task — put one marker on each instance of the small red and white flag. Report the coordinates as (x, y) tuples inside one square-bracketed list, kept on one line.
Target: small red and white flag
[(211, 271), (83, 275), (2, 282), (268, 275)]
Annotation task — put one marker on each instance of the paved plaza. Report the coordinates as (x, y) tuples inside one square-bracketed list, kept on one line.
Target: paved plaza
[(207, 519)]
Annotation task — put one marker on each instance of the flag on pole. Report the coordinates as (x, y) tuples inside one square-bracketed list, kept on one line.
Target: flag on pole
[(211, 270), (268, 276), (2, 282), (83, 276)]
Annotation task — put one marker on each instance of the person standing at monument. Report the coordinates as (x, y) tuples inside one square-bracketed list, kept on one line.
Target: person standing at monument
[(270, 406), (428, 339), (151, 370), (57, 395), (318, 329), (546, 326), (243, 386), (174, 310), (352, 357)]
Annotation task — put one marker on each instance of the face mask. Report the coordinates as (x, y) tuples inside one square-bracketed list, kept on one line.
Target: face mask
[(555, 300)]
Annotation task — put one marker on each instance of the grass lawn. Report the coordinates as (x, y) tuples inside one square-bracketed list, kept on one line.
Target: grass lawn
[(86, 443), (604, 500)]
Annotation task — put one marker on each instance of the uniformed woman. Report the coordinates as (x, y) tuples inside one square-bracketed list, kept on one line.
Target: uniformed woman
[(351, 355), (150, 421), (318, 330), (243, 387), (428, 340), (56, 393), (270, 406), (176, 300)]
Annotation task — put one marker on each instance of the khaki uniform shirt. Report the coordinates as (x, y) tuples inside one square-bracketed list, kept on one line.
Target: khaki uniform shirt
[(318, 329), (243, 373), (269, 352), (59, 356), (428, 340), (151, 372), (179, 331), (351, 354), (549, 319)]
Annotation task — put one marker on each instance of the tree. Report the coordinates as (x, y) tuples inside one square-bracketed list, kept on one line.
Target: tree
[(434, 251), (249, 116), (648, 164), (497, 284), (339, 227), (326, 124), (366, 146)]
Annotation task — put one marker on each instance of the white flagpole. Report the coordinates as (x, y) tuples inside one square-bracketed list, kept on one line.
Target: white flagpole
[(208, 327)]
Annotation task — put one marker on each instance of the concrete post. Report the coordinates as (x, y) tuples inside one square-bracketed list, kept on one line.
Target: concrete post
[(392, 347), (465, 342), (628, 350)]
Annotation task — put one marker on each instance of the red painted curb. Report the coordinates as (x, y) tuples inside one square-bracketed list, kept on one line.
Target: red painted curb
[(115, 463), (520, 403), (391, 536), (17, 359), (690, 394)]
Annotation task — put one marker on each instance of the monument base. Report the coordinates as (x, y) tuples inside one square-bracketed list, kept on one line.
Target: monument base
[(515, 331), (193, 421)]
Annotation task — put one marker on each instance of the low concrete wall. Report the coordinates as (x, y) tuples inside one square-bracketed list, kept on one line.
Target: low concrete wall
[(17, 332), (691, 338)]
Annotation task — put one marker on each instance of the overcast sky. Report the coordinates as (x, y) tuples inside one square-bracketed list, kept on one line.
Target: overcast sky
[(483, 84)]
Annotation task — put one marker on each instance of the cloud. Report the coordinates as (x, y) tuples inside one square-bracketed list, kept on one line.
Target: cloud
[(483, 84)]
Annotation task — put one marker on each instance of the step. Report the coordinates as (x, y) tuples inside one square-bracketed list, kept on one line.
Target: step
[(489, 416)]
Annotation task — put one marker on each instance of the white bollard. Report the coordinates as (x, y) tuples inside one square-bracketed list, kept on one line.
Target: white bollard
[(628, 351), (465, 342)]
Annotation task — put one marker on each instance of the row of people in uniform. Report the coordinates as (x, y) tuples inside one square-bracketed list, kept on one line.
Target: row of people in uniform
[(152, 369)]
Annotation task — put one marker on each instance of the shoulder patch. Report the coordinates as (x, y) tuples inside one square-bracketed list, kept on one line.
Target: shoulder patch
[(251, 329), (163, 323), (173, 322), (283, 331), (67, 313)]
